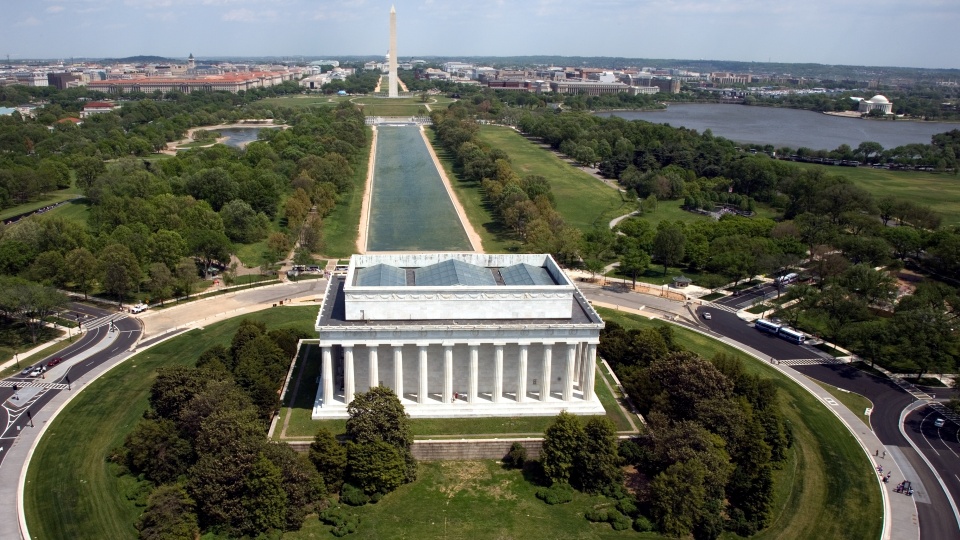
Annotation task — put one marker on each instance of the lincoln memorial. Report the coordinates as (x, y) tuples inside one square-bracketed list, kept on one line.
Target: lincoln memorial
[(458, 334)]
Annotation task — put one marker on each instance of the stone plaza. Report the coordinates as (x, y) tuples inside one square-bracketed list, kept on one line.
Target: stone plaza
[(458, 335)]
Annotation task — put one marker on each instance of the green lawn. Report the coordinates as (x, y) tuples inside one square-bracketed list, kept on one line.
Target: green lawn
[(475, 500), (494, 237), (342, 226), (940, 191), (71, 490), (311, 100), (582, 200), (827, 488), (75, 210), (382, 106), (851, 400), (51, 198)]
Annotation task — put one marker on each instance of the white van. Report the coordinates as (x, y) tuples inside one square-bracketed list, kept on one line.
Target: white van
[(139, 308)]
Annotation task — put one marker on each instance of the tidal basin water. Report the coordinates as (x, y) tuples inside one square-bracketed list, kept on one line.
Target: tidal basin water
[(789, 127), (410, 209)]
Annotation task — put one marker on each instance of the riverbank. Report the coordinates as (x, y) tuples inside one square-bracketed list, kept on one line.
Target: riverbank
[(172, 147)]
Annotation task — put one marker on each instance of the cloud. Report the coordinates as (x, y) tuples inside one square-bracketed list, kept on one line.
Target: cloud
[(29, 21), (54, 9), (248, 15)]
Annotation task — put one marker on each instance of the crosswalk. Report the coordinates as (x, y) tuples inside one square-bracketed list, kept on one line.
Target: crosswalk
[(809, 361), (723, 307), (33, 384), (103, 321)]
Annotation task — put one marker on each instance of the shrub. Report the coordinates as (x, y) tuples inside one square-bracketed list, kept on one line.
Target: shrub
[(516, 456), (559, 493), (596, 515), (642, 524), (618, 521), (341, 522), (353, 495), (626, 506)]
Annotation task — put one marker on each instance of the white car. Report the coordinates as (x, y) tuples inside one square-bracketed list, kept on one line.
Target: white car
[(707, 315), (939, 422), (38, 371), (139, 308)]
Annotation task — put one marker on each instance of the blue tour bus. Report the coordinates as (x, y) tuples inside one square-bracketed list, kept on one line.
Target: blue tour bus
[(791, 335), (764, 325)]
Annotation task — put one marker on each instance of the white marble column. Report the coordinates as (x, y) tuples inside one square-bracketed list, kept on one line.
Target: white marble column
[(349, 385), (422, 390), (590, 373), (547, 370), (447, 373), (568, 373), (398, 370), (374, 365), (498, 373), (474, 373), (327, 376), (522, 374)]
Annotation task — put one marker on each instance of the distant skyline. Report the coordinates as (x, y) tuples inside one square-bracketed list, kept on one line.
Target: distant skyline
[(914, 33)]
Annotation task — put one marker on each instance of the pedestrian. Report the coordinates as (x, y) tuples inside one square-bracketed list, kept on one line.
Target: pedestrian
[(884, 454), (876, 453)]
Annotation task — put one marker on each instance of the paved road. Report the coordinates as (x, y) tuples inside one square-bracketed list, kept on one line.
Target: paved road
[(941, 446), (733, 327), (107, 334), (937, 520)]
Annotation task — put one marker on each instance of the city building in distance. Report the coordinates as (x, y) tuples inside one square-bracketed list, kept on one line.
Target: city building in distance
[(458, 335)]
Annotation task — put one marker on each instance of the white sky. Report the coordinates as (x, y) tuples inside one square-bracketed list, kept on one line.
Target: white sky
[(914, 33)]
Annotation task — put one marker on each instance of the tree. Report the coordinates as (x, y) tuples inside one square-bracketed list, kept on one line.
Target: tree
[(668, 245), (378, 415), (209, 246), (264, 502), (119, 270), (155, 449), (160, 282), (170, 515), (599, 467), (562, 444), (680, 498), (185, 276), (81, 268), (173, 389), (376, 467), (634, 261), (330, 458)]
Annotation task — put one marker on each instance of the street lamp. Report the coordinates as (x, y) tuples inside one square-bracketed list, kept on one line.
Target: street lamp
[(16, 356)]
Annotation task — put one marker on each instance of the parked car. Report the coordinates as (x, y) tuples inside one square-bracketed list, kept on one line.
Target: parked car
[(939, 422), (54, 362)]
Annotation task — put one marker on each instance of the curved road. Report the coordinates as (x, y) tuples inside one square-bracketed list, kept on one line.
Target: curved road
[(107, 334), (937, 520)]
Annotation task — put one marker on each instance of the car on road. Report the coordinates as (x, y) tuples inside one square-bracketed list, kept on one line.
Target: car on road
[(38, 371), (139, 308), (939, 422), (54, 362), (27, 371), (707, 315)]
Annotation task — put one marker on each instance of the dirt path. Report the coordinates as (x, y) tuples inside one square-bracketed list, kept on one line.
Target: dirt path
[(472, 235), (367, 195)]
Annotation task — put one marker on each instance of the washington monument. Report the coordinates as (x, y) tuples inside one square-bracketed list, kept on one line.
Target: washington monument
[(393, 53)]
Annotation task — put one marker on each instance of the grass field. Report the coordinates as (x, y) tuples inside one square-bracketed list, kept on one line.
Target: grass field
[(342, 226), (72, 491), (582, 200), (851, 400), (827, 488), (475, 500), (51, 198), (76, 210), (940, 191), (311, 100)]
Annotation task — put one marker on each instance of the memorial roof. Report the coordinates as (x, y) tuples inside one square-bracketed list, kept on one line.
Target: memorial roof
[(333, 313)]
